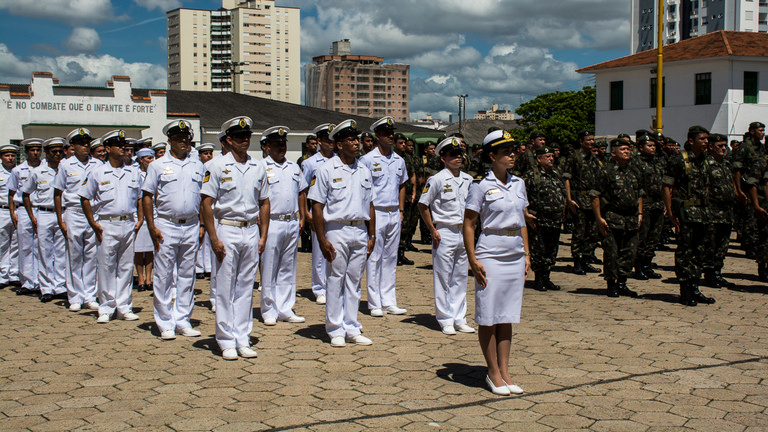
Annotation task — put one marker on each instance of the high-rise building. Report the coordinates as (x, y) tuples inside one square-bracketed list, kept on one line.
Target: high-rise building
[(249, 47), (354, 84), (495, 114), (685, 19)]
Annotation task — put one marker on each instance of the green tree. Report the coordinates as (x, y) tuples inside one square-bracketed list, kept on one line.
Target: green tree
[(560, 115)]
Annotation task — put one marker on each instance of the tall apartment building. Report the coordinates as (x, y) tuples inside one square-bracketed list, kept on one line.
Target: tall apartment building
[(249, 47), (684, 19), (360, 85), (495, 114)]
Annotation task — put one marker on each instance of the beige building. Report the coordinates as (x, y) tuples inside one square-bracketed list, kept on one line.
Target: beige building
[(359, 85), (250, 47), (495, 114)]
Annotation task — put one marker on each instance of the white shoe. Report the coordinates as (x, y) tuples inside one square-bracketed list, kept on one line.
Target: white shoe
[(449, 330), (377, 312), (270, 321), (294, 319), (92, 305), (247, 352), (501, 390), (229, 354), (213, 308), (465, 328), (168, 334), (394, 310), (514, 388), (338, 342), (188, 332), (320, 299), (130, 316), (75, 307), (359, 340), (103, 318)]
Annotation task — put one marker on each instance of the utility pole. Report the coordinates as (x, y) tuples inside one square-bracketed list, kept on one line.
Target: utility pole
[(230, 67), (659, 63), (462, 110)]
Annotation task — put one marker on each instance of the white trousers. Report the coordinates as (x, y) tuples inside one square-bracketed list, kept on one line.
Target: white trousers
[(234, 285), (115, 267), (175, 266), (203, 261), (81, 251), (344, 274), (9, 248), (318, 268), (449, 270), (382, 264), (29, 256), (53, 254), (278, 269)]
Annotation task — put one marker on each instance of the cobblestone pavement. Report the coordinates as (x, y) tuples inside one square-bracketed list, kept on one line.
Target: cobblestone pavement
[(585, 361)]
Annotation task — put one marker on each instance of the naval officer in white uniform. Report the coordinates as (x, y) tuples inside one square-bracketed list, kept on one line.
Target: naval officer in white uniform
[(389, 178), (9, 245), (287, 204), (235, 210), (172, 187), (342, 204), (112, 192)]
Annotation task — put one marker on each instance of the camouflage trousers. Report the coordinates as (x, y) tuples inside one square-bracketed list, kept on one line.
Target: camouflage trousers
[(544, 243), (762, 245), (650, 233), (585, 237), (690, 252), (717, 241), (749, 226), (619, 248)]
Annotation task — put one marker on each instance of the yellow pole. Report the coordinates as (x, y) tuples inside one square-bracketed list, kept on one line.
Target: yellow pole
[(659, 62)]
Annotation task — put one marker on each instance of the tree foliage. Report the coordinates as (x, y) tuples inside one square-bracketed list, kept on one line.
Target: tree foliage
[(560, 115)]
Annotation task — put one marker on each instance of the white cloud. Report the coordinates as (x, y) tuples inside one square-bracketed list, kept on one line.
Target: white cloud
[(75, 12), (81, 69), (83, 39), (162, 5)]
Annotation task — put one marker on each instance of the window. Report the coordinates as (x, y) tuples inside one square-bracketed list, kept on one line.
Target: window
[(663, 92), (703, 88), (750, 87), (617, 95)]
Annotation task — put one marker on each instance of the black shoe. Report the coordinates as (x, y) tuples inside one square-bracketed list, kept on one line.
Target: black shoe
[(207, 274), (538, 283), (588, 268), (577, 268), (45, 298), (26, 291), (648, 271), (591, 259), (710, 279), (640, 272), (14, 283), (762, 272), (624, 289), (199, 276), (685, 295), (699, 297), (723, 282), (409, 247), (750, 254), (549, 284), (613, 289)]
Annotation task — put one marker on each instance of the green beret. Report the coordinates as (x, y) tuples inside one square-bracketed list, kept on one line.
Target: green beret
[(601, 144), (543, 150), (716, 138), (670, 140), (554, 145), (537, 133), (585, 133), (366, 134), (399, 136), (624, 136), (616, 142), (641, 132), (643, 138), (756, 125), (697, 129)]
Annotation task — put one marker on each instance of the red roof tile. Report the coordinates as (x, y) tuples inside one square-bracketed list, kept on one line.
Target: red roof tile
[(716, 44)]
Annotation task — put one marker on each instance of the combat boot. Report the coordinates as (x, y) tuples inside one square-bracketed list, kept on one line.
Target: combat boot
[(549, 284), (587, 267), (613, 288), (577, 268), (403, 259), (710, 279), (409, 247), (723, 282), (685, 295), (591, 259), (624, 289), (640, 271), (698, 296), (648, 266), (762, 272), (538, 282)]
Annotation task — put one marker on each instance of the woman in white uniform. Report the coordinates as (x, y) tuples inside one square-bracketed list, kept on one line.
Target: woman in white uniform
[(501, 261), (143, 248)]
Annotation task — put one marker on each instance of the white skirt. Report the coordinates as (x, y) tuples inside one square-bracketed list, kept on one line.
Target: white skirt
[(502, 298), (143, 241)]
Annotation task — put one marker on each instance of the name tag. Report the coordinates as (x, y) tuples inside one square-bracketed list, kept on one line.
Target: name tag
[(72, 174), (377, 169), (447, 190), (226, 179), (105, 182), (168, 170), (42, 182), (336, 180), (493, 191), (270, 175)]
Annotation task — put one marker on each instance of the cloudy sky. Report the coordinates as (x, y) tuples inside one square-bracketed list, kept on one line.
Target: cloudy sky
[(496, 51)]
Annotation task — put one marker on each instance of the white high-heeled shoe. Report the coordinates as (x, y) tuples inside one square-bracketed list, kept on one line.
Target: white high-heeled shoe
[(502, 390), (513, 388)]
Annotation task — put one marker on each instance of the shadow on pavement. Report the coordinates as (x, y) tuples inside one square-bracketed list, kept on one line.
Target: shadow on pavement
[(425, 320)]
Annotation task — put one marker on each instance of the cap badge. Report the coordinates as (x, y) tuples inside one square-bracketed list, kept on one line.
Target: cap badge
[(80, 131), (121, 134), (506, 135), (353, 124), (182, 125), (455, 142), (242, 123), (281, 131), (390, 122)]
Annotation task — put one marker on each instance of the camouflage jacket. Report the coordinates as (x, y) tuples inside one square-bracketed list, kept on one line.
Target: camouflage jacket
[(746, 155), (619, 190), (649, 170), (546, 196), (581, 169), (524, 163), (688, 176), (722, 192)]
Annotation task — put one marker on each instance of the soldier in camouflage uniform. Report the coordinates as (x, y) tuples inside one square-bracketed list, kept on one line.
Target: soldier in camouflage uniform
[(721, 198), (579, 176), (431, 166), (412, 218), (310, 148), (758, 178), (366, 143), (410, 193), (649, 170), (746, 156), (686, 178), (617, 203), (527, 160), (543, 216)]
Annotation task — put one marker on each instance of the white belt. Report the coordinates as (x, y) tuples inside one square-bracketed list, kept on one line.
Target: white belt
[(115, 218), (349, 222), (235, 223), (501, 232), (178, 221), (285, 217)]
